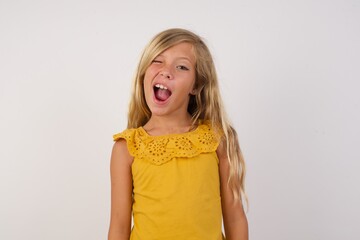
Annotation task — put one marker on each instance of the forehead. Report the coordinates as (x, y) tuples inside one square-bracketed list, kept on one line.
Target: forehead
[(182, 50)]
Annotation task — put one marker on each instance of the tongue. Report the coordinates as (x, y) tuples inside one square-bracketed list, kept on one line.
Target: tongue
[(162, 94)]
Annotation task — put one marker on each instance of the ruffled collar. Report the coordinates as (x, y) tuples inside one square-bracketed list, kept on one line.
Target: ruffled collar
[(161, 149)]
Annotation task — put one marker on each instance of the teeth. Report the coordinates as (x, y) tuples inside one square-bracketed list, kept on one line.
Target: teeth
[(160, 86)]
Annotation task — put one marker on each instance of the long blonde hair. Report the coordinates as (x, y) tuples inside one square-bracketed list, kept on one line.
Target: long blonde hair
[(206, 104)]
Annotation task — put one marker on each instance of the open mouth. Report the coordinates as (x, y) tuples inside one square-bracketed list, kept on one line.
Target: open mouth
[(161, 92)]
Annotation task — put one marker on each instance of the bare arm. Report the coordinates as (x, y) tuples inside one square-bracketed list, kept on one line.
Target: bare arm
[(121, 192), (235, 221)]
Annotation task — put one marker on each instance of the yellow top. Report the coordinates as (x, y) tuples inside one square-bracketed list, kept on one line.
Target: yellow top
[(176, 186)]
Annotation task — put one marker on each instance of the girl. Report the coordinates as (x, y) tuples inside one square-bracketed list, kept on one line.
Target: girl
[(177, 169)]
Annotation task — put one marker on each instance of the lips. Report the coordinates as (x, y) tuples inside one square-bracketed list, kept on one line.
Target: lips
[(161, 92)]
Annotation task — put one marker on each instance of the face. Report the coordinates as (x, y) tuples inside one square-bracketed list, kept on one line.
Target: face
[(169, 81)]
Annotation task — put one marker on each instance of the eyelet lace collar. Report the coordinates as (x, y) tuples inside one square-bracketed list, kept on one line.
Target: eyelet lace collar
[(161, 149)]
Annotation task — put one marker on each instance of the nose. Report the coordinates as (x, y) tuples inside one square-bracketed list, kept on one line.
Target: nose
[(165, 72)]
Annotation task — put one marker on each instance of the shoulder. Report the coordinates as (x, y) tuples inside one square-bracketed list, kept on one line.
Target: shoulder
[(130, 139), (221, 150), (213, 133), (206, 127), (119, 146), (120, 153), (126, 134)]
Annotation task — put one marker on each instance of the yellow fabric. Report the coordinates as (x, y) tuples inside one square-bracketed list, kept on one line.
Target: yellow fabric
[(176, 186)]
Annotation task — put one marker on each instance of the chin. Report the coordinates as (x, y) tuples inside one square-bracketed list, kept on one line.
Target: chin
[(158, 112)]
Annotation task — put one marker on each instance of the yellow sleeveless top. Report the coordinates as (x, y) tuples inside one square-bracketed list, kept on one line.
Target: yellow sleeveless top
[(176, 186)]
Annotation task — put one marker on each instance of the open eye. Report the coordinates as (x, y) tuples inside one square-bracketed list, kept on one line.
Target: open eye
[(182, 67)]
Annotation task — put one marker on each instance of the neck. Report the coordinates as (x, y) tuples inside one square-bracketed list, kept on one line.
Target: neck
[(158, 125)]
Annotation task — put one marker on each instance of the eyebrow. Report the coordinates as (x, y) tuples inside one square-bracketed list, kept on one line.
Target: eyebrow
[(185, 58), (178, 58)]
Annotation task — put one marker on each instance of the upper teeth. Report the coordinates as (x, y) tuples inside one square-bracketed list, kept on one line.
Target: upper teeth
[(160, 86)]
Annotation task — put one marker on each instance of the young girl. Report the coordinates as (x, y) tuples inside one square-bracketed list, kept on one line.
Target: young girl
[(177, 169)]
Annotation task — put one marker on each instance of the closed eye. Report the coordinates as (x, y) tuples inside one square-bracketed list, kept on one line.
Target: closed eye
[(156, 61)]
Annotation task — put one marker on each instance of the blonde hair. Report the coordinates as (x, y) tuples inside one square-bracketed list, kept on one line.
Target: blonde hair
[(206, 104)]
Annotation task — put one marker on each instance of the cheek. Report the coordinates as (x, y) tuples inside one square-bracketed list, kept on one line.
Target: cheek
[(147, 83), (193, 82), (147, 77), (150, 74)]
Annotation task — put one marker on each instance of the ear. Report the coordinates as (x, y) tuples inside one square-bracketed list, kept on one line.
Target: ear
[(193, 92)]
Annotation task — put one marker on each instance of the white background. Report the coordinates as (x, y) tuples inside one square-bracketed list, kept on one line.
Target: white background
[(289, 75)]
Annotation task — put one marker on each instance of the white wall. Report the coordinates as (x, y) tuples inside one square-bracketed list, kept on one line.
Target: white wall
[(289, 74)]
